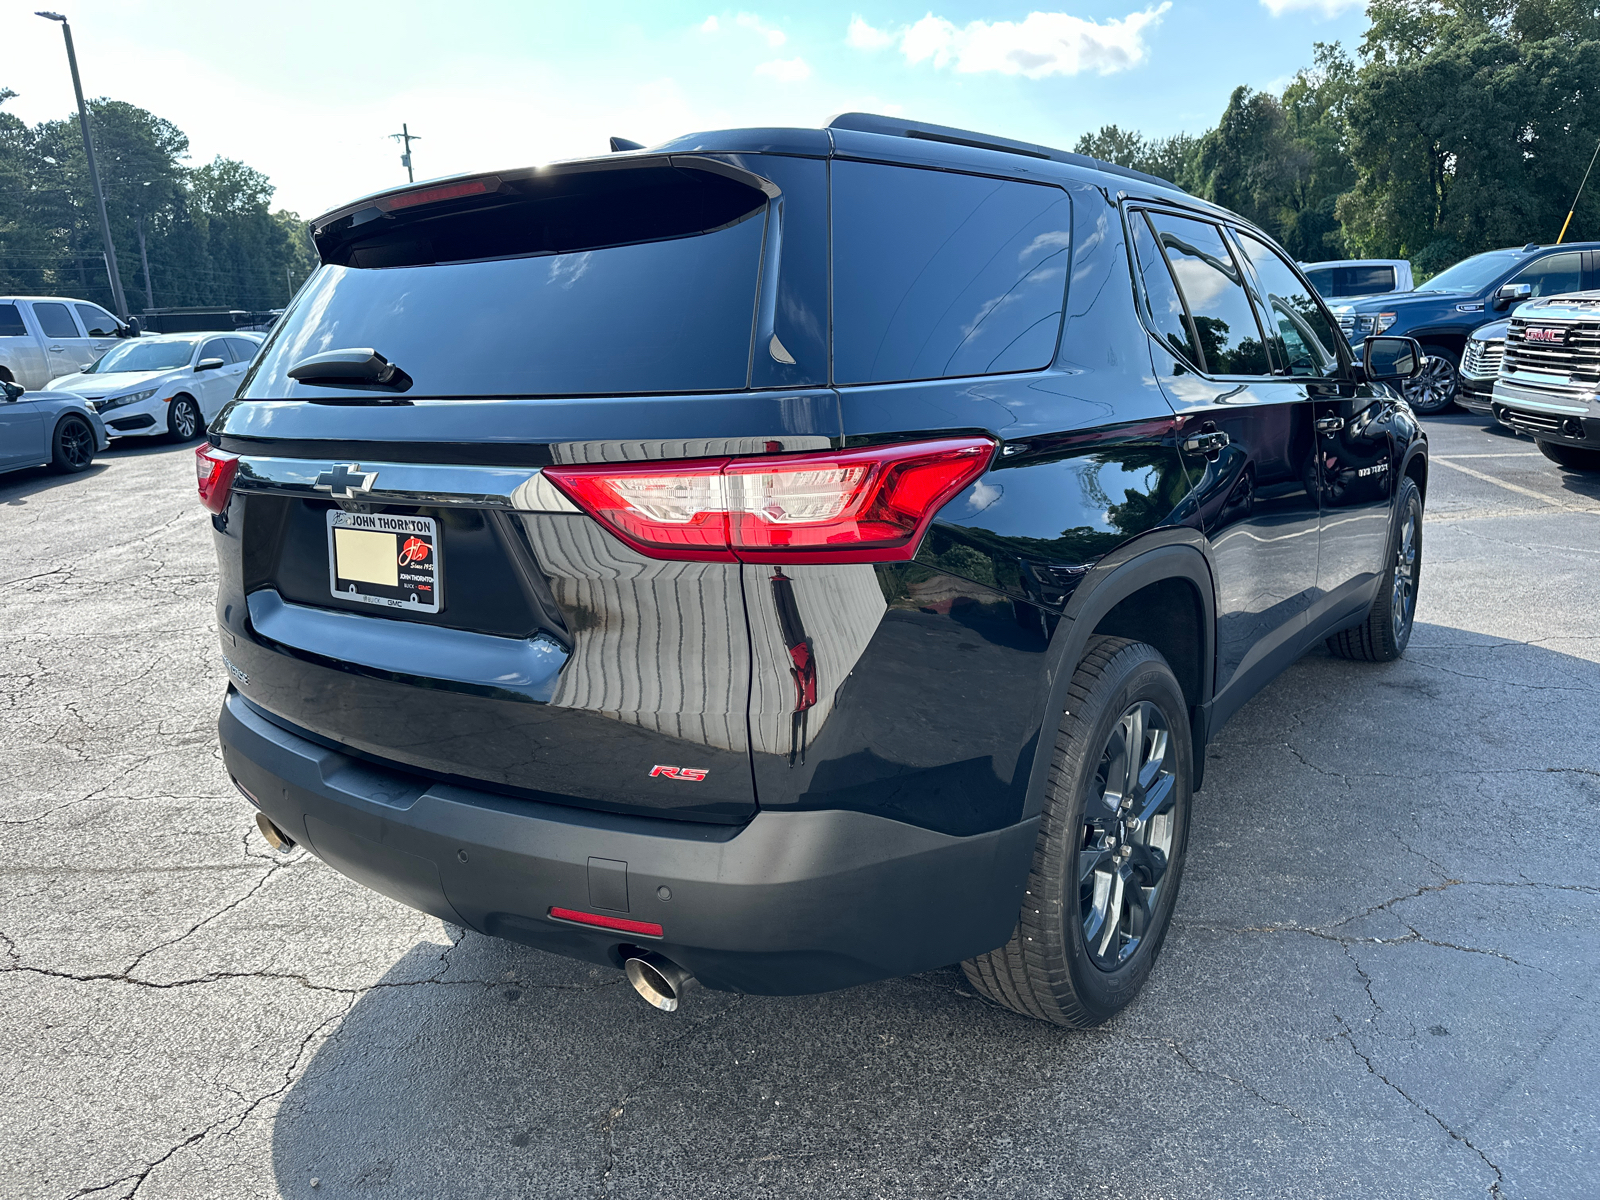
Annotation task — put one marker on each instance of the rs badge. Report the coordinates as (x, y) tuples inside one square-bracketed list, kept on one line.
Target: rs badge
[(694, 774)]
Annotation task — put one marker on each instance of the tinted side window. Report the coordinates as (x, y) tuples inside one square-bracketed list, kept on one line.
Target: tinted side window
[(1163, 305), (56, 321), (1303, 340), (11, 322), (97, 322), (1554, 275), (215, 348), (1322, 280), (1210, 282), (1365, 281), (243, 349), (937, 274)]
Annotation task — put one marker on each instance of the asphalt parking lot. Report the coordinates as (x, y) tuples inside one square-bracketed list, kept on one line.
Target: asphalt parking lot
[(1382, 981)]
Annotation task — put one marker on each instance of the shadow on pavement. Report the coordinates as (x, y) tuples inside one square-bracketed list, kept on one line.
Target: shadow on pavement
[(17, 486), (1249, 1057)]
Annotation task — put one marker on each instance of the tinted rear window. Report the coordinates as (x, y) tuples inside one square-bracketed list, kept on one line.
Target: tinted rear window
[(11, 322), (1364, 281), (55, 320), (937, 274), (668, 316)]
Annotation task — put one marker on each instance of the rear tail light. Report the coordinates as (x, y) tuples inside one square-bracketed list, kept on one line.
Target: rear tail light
[(214, 471), (868, 505)]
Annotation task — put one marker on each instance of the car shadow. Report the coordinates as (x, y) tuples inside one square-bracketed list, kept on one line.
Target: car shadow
[(17, 486), (491, 1069)]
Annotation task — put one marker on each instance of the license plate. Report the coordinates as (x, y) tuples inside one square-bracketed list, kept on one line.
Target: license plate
[(386, 560)]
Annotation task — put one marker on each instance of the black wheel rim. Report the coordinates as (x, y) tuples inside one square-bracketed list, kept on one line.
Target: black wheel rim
[(186, 421), (1407, 559), (1435, 388), (1129, 823), (77, 444)]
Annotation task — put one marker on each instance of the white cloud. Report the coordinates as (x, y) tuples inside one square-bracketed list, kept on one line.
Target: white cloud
[(710, 25), (774, 35), (862, 36), (785, 70), (1328, 8), (1041, 44)]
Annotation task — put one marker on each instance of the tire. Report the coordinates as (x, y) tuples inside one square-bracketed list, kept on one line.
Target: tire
[(71, 446), (1386, 632), (1575, 458), (1103, 884), (183, 419), (1434, 391)]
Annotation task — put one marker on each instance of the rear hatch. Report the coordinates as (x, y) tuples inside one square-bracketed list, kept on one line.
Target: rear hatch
[(401, 579)]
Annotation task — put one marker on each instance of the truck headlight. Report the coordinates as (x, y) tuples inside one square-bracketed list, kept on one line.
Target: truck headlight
[(1384, 321)]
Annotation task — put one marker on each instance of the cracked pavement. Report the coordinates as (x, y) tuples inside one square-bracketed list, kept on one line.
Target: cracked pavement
[(1381, 980)]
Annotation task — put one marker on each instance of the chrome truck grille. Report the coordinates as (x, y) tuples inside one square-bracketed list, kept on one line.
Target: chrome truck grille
[(1555, 355), (1482, 358)]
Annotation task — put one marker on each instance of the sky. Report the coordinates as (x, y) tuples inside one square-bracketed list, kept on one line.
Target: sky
[(308, 92)]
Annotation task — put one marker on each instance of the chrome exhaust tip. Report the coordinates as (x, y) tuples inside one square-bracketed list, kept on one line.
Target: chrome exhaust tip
[(658, 979), (276, 838)]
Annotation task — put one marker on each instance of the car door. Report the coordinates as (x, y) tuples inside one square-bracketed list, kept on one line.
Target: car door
[(99, 326), (21, 350), (1355, 450), (64, 342), (214, 388), (1247, 441), (21, 433)]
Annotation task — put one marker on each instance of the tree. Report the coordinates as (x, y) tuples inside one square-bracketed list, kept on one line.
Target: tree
[(1166, 158)]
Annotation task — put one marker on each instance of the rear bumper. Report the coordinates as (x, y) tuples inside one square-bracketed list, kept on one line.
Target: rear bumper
[(789, 903)]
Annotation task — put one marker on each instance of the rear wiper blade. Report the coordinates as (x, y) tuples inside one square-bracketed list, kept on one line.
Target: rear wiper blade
[(360, 367)]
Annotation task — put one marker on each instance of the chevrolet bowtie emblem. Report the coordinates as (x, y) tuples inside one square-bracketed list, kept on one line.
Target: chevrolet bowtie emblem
[(344, 482)]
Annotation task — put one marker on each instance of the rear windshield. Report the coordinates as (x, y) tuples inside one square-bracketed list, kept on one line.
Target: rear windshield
[(526, 298)]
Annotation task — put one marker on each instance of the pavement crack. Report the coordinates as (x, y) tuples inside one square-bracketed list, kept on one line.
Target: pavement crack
[(1348, 1035)]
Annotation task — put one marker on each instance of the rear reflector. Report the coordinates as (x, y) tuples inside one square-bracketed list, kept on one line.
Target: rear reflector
[(867, 505), (620, 924), (214, 471)]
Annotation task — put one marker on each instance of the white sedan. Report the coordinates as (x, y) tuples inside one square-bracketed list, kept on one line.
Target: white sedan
[(166, 383)]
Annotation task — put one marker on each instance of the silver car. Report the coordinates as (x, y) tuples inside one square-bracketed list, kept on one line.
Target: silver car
[(54, 429)]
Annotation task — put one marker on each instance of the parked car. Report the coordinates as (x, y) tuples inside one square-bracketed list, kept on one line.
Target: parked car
[(1447, 308), (798, 605), (1549, 376), (47, 429), (1480, 367), (164, 384), (43, 337), (1343, 278)]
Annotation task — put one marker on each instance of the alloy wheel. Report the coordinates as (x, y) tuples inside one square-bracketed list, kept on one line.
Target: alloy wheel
[(185, 421), (1129, 821), (77, 444), (1434, 389), (1403, 606)]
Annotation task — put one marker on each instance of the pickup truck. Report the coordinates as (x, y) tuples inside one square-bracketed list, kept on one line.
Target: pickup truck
[(42, 337)]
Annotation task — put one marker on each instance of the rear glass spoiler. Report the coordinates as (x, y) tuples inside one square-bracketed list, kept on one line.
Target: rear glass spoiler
[(542, 210)]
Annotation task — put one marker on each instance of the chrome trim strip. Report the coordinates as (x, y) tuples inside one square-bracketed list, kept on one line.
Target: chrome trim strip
[(435, 485), (1518, 397)]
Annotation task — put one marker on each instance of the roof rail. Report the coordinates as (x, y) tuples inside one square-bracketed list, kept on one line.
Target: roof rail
[(922, 131)]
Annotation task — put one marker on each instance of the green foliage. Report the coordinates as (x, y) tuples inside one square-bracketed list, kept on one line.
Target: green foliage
[(1170, 158), (1461, 125), (209, 233)]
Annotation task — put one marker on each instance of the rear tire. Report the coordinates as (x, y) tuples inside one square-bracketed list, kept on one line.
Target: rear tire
[(1434, 391), (183, 419), (1574, 458), (1110, 853), (71, 446), (1386, 632)]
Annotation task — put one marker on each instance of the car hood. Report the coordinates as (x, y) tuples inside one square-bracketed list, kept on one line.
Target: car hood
[(109, 384), (1494, 331), (1392, 301)]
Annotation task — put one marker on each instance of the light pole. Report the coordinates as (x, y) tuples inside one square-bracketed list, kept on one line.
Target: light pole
[(94, 172)]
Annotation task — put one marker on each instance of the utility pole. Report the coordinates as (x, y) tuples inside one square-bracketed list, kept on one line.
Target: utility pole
[(144, 259), (405, 135), (94, 172)]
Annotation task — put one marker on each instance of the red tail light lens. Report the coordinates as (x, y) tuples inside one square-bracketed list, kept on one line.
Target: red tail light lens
[(620, 924), (214, 471), (869, 505)]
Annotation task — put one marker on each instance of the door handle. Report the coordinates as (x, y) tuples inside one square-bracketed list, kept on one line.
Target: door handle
[(1208, 442), (59, 349), (1329, 426)]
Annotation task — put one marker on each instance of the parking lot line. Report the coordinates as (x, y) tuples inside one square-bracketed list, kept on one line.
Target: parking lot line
[(1542, 497)]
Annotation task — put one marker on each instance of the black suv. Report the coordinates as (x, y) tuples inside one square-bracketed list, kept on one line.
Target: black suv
[(794, 558)]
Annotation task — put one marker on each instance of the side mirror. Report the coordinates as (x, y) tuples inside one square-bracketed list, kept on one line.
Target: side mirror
[(1511, 293), (13, 391), (209, 364), (131, 329), (1392, 359)]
